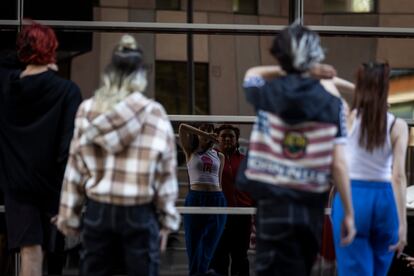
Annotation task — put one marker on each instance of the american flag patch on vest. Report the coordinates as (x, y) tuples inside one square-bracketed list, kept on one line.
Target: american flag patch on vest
[(294, 156)]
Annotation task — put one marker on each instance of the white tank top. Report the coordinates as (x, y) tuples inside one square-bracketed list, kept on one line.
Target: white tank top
[(365, 165), (204, 168)]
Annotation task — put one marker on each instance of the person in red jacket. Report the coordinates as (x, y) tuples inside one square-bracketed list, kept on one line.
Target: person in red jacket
[(235, 240)]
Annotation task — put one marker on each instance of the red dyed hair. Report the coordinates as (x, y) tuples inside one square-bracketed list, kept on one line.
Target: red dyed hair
[(36, 44)]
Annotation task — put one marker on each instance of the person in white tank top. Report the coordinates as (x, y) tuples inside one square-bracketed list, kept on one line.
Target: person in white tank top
[(375, 155), (205, 167)]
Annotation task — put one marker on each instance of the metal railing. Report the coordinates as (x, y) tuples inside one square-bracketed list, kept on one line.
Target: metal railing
[(198, 28)]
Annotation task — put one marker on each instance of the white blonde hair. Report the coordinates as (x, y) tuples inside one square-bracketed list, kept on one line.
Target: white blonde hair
[(123, 76)]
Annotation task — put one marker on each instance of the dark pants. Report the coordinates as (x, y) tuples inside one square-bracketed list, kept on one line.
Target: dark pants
[(106, 227), (288, 238), (203, 232), (233, 244)]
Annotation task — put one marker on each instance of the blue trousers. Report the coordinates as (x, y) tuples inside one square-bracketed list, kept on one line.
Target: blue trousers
[(376, 221), (203, 232)]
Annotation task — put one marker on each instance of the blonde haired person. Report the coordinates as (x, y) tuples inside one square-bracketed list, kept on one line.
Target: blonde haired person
[(123, 163)]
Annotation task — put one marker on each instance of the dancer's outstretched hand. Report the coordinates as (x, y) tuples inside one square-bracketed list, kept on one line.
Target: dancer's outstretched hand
[(322, 71)]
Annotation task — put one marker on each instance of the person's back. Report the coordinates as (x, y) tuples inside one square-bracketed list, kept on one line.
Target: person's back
[(295, 146), (376, 156), (292, 142), (123, 162), (37, 125), (369, 165), (37, 110)]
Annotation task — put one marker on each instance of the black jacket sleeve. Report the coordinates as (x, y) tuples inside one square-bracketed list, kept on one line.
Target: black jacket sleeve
[(71, 103)]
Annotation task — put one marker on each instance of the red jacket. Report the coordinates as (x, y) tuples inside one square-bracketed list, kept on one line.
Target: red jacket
[(234, 197)]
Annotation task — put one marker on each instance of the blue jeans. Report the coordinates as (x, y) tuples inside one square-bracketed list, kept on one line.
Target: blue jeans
[(106, 227), (376, 221), (203, 232), (288, 237)]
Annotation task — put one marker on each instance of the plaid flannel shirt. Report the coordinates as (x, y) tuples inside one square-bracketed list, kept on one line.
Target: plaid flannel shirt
[(126, 156)]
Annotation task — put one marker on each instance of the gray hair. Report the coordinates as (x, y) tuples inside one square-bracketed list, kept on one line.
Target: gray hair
[(297, 48)]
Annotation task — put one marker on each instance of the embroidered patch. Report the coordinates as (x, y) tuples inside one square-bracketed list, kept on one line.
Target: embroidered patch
[(294, 145)]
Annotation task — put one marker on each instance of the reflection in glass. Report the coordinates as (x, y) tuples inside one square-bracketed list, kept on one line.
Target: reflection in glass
[(8, 10), (171, 87), (362, 5), (168, 4), (245, 6), (401, 93), (349, 6)]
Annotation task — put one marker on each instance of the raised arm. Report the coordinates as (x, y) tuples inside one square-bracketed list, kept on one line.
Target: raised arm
[(319, 71), (344, 84), (399, 139), (185, 131), (266, 72)]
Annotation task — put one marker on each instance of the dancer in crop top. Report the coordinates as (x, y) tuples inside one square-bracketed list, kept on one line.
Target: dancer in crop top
[(375, 154), (205, 166)]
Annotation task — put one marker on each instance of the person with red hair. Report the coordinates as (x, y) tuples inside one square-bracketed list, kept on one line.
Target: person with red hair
[(37, 45), (37, 111)]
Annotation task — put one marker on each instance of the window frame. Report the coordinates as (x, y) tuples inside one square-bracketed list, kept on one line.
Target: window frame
[(374, 11)]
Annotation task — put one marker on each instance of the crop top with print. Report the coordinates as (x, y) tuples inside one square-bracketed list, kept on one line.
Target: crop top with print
[(204, 168)]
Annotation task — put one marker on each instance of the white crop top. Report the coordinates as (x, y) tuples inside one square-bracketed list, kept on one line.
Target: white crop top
[(365, 165), (204, 168)]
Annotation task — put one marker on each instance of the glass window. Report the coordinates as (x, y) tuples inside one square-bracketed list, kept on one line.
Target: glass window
[(168, 4), (171, 87), (349, 6), (401, 93), (8, 10), (245, 6)]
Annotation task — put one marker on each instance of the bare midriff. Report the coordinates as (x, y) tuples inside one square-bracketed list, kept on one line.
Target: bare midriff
[(205, 187)]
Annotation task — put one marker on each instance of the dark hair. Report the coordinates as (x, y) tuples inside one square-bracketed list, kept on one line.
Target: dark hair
[(297, 48), (230, 127), (204, 127), (37, 44), (127, 58), (370, 102)]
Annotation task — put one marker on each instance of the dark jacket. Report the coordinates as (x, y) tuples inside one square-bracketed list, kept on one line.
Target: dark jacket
[(295, 100), (36, 125)]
